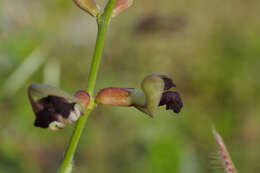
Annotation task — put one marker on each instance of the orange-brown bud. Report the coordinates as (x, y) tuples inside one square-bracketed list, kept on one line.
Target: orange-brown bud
[(120, 6), (83, 97), (114, 97)]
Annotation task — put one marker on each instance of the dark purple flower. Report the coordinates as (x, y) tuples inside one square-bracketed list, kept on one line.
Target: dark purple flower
[(168, 83), (53, 109), (172, 100)]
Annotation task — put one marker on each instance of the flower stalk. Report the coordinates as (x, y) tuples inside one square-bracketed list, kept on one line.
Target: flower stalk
[(102, 21)]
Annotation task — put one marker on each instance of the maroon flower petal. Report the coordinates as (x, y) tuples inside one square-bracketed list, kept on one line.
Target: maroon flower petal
[(168, 83), (44, 118), (51, 108), (172, 100)]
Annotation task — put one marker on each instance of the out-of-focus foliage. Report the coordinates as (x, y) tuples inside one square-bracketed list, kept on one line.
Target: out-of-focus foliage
[(210, 48)]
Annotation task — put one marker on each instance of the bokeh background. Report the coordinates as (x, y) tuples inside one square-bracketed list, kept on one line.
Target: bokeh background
[(210, 48)]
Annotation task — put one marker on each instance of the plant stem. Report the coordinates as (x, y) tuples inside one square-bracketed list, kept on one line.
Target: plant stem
[(102, 21)]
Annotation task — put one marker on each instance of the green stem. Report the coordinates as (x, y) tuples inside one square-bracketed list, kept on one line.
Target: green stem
[(103, 21)]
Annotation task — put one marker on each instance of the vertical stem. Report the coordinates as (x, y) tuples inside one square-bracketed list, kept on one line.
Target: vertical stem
[(103, 21)]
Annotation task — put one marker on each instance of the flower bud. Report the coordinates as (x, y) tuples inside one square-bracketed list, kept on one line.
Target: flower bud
[(54, 108), (120, 6), (83, 97), (89, 6), (113, 96), (154, 93)]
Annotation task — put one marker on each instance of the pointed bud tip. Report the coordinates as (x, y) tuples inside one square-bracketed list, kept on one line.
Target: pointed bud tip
[(89, 6), (120, 6)]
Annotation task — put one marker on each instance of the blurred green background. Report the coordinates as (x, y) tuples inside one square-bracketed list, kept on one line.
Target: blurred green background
[(210, 48)]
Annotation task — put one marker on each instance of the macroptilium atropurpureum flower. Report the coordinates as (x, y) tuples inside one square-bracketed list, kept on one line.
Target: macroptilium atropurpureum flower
[(54, 108), (156, 91)]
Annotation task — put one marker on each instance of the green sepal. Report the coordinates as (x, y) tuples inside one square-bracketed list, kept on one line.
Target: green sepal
[(153, 87)]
